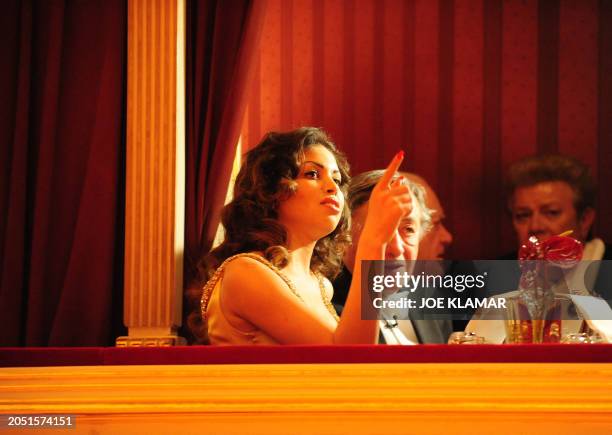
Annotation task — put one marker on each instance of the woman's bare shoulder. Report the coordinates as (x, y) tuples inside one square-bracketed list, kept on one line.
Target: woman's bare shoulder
[(251, 262), (244, 280)]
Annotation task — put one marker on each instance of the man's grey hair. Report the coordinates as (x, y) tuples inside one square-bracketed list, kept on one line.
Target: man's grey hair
[(361, 186)]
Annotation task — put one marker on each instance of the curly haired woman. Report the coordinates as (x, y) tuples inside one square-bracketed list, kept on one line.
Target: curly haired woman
[(285, 233)]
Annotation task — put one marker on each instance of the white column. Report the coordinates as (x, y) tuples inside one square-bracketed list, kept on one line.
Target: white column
[(155, 179)]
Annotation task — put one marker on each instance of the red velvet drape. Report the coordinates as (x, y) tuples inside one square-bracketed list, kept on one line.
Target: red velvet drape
[(221, 40), (465, 86), (61, 176)]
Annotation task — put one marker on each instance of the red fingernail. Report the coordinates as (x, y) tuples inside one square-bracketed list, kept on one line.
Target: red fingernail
[(400, 155)]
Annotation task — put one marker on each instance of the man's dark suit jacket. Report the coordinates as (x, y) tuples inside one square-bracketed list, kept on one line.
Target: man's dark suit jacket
[(427, 331)]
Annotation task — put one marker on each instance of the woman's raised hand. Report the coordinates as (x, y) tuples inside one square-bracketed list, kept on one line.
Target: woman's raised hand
[(389, 202)]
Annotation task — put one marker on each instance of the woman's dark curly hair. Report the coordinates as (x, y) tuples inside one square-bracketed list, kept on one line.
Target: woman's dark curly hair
[(250, 220)]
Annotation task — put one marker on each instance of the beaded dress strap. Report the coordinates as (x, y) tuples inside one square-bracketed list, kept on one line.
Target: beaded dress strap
[(212, 282)]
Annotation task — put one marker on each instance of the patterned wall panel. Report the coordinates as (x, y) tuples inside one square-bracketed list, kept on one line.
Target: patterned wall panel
[(465, 87)]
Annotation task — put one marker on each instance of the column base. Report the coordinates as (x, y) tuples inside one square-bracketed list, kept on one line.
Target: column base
[(150, 341)]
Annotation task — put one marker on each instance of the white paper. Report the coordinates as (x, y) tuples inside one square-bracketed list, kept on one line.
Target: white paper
[(597, 313)]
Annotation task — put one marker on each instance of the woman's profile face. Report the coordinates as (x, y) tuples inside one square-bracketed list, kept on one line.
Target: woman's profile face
[(315, 208)]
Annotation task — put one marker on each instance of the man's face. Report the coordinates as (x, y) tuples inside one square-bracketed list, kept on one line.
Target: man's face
[(403, 246), (435, 242), (547, 209)]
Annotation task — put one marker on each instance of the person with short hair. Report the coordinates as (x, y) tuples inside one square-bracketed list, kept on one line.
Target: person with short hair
[(548, 195), (404, 246), (551, 194)]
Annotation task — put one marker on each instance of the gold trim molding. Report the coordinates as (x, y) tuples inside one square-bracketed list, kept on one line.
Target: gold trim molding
[(166, 341), (255, 398)]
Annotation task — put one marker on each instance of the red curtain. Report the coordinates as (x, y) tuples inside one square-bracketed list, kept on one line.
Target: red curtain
[(466, 87), (61, 171), (222, 37)]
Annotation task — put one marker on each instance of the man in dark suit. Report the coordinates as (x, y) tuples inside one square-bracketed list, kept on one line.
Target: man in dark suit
[(404, 246), (551, 194), (548, 195)]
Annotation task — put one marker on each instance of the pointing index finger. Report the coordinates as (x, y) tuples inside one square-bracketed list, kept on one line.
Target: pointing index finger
[(386, 178)]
